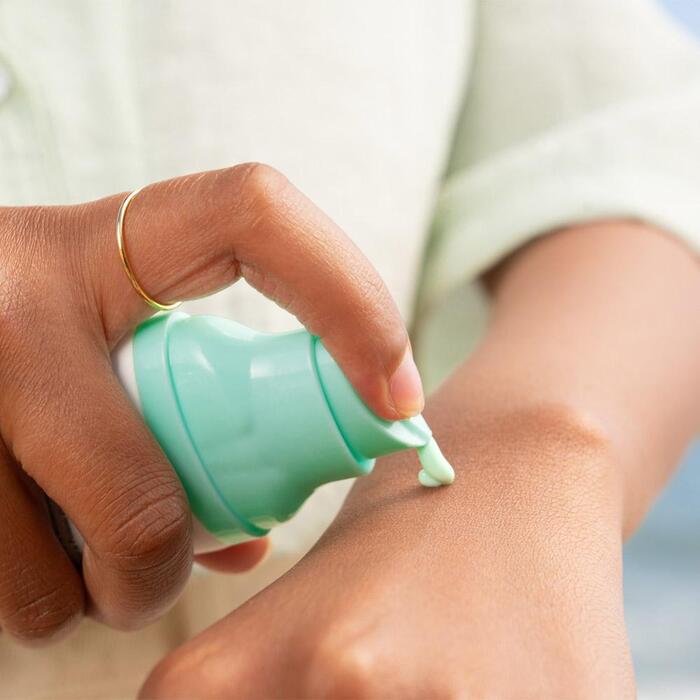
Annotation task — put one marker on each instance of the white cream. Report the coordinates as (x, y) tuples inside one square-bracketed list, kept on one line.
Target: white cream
[(437, 471)]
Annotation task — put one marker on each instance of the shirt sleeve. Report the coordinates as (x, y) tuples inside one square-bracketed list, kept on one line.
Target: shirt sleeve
[(575, 111)]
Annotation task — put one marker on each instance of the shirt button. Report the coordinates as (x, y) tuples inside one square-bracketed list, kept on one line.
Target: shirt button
[(5, 83)]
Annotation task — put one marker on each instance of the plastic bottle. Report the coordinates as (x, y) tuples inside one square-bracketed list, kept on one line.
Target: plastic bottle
[(253, 422)]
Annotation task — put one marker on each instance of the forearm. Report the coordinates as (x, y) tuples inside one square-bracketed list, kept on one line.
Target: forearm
[(594, 345), (602, 322)]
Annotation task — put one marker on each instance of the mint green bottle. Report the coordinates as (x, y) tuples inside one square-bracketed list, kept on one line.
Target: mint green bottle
[(252, 422)]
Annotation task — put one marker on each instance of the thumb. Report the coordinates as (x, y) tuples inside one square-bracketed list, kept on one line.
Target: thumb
[(196, 234), (237, 558)]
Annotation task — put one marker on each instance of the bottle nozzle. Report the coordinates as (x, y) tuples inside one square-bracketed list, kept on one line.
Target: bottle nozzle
[(366, 434)]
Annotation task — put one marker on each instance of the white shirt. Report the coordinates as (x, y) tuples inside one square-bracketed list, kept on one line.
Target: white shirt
[(465, 127)]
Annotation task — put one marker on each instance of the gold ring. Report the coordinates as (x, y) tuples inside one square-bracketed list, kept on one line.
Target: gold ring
[(121, 215)]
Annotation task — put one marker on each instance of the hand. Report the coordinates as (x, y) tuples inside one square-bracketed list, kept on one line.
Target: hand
[(562, 426), (505, 585), (68, 429)]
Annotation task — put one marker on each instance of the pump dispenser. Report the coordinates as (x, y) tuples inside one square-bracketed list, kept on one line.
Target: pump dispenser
[(253, 422)]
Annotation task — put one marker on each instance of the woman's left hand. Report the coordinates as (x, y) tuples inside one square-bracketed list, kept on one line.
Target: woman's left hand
[(519, 596), (562, 427)]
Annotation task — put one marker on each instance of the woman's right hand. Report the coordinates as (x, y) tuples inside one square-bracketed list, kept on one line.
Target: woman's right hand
[(67, 428)]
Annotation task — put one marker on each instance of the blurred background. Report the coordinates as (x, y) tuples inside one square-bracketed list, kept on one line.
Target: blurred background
[(662, 581), (662, 561)]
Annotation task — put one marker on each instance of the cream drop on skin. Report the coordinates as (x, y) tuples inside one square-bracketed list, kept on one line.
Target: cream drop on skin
[(437, 471)]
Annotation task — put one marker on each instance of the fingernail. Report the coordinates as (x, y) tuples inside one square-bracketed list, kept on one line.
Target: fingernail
[(406, 388)]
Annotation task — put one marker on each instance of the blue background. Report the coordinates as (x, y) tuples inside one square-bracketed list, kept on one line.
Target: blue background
[(662, 585), (662, 561)]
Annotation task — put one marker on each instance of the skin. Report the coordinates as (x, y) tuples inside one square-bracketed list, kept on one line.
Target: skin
[(66, 426), (562, 427)]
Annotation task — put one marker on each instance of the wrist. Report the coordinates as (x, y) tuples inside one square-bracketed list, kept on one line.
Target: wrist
[(525, 546), (539, 461)]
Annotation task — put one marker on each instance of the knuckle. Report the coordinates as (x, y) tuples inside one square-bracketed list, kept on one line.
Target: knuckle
[(260, 190), (344, 667), (166, 679), (149, 525), (184, 674), (17, 297), (17, 313), (26, 231), (44, 614), (261, 181), (28, 266), (143, 554)]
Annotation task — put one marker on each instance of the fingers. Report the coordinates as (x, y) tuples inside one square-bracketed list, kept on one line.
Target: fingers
[(68, 424), (236, 559), (41, 594), (79, 438), (193, 235)]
